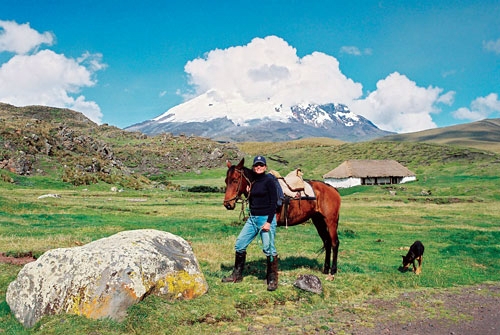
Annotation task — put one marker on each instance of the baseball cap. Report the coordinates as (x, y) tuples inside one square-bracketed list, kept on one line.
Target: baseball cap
[(259, 159)]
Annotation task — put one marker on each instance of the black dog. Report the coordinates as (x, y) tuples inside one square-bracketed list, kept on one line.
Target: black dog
[(416, 252)]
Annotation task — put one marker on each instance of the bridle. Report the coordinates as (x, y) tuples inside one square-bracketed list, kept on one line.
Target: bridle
[(238, 198)]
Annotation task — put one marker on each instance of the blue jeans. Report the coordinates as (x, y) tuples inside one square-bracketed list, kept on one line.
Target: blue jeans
[(251, 229)]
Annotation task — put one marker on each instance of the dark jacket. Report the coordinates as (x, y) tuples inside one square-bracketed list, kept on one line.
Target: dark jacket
[(263, 197)]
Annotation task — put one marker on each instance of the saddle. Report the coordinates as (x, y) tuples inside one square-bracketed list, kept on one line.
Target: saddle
[(294, 186)]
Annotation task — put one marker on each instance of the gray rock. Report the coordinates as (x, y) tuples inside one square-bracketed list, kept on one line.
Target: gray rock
[(103, 278), (309, 283)]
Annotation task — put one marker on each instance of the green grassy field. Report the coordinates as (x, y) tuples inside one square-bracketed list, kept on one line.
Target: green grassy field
[(458, 223)]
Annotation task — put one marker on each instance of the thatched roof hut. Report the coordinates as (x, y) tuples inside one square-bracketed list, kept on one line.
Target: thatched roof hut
[(368, 172)]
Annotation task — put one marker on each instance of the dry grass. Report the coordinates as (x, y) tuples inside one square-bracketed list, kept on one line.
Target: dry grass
[(266, 148), (482, 135)]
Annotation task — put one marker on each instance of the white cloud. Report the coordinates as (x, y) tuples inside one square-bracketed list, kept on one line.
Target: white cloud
[(21, 38), (269, 69), (493, 46), (91, 61), (480, 108), (50, 79), (400, 105), (45, 77), (448, 73), (350, 50), (355, 51)]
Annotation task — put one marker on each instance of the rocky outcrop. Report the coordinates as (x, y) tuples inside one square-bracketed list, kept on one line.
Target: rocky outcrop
[(40, 140), (103, 278), (20, 163)]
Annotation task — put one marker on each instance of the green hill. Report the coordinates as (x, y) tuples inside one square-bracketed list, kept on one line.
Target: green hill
[(484, 134), (66, 146), (315, 161)]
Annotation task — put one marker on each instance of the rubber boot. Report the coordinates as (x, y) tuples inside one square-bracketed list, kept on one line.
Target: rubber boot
[(272, 273), (239, 264)]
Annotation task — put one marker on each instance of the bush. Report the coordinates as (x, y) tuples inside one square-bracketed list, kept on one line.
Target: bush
[(205, 189)]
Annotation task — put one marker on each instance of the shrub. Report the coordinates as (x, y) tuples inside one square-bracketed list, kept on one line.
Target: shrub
[(205, 189)]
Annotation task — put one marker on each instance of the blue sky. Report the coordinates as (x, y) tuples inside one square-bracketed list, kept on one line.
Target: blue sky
[(405, 65)]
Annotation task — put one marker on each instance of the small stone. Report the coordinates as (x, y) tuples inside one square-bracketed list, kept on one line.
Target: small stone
[(309, 283)]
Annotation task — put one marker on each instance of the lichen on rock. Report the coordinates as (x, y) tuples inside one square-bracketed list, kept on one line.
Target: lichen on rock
[(105, 277)]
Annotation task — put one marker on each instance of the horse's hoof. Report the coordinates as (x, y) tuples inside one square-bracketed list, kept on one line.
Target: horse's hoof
[(330, 277)]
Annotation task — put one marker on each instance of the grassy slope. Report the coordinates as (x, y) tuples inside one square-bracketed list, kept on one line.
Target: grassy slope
[(317, 160), (484, 135), (162, 157)]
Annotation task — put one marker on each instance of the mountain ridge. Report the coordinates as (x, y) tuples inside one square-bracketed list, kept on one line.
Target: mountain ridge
[(212, 116)]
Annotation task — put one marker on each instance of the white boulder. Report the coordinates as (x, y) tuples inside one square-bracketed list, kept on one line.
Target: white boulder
[(103, 278)]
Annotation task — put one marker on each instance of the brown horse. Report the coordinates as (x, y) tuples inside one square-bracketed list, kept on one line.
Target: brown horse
[(323, 210)]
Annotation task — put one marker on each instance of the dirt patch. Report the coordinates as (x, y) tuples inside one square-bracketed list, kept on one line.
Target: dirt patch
[(457, 311), (20, 259), (471, 310)]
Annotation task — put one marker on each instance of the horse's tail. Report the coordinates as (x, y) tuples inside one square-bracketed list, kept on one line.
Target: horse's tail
[(321, 250)]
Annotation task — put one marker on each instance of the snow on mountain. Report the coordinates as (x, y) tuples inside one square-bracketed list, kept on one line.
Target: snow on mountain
[(318, 115), (213, 105), (225, 117)]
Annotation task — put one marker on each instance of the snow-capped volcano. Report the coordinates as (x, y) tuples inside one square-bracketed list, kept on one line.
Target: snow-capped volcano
[(213, 105), (221, 117)]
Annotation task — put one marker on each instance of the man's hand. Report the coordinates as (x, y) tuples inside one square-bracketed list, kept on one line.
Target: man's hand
[(266, 226)]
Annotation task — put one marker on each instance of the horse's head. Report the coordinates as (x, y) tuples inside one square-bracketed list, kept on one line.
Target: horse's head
[(236, 184)]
